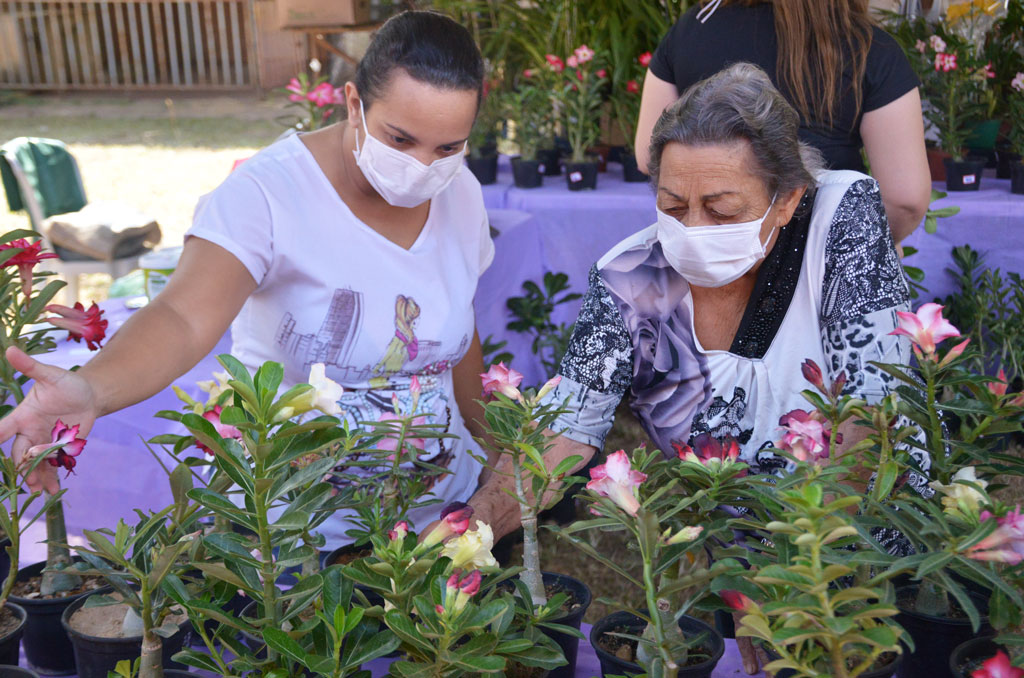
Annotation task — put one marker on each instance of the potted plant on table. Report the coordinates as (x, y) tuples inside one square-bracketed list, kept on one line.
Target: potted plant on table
[(527, 107), (626, 104), (580, 95), (483, 146), (1015, 104), (515, 430), (44, 589)]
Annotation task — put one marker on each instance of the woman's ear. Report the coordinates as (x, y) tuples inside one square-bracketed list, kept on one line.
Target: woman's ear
[(786, 204), (355, 118)]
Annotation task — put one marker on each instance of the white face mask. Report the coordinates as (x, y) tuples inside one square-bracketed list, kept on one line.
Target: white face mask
[(399, 178), (712, 256)]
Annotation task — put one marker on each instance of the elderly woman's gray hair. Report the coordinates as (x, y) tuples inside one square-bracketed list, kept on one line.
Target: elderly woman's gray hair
[(740, 103)]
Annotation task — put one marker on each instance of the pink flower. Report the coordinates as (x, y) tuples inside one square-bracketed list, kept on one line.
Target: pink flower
[(945, 62), (295, 87), (1018, 82), (69, 445), (937, 43), (617, 480), (632, 87), (807, 436), (470, 584), (1006, 543), (645, 59), (502, 379), (572, 61), (998, 388), (926, 328), (989, 71), (921, 46), (399, 531), (339, 97), (711, 452), (26, 260), (579, 75), (602, 73), (322, 95), (556, 64), (80, 323), (998, 666), (737, 601), (223, 430), (528, 73), (454, 521), (583, 54), (390, 443)]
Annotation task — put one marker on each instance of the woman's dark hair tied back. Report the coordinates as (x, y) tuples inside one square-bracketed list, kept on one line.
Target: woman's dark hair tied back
[(430, 47)]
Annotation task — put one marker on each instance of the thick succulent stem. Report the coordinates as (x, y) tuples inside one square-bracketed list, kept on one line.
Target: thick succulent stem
[(57, 555)]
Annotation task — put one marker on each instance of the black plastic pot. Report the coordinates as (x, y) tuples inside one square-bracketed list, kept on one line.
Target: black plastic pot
[(630, 173), (934, 637), (963, 175), (17, 672), (1017, 178), (1005, 160), (526, 173), (550, 160), (5, 559), (11, 643), (570, 644), (95, 656), (581, 175), (969, 655), (611, 665), (485, 168), (47, 646), (886, 671)]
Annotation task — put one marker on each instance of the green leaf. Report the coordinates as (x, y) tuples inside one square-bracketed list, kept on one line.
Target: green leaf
[(776, 574), (378, 645), (198, 660), (478, 664), (403, 627), (888, 472), (278, 640)]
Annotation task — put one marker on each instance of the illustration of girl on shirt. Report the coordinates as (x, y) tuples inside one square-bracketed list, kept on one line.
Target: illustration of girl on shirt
[(403, 346)]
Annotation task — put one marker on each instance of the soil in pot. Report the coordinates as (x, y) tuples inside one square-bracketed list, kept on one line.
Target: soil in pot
[(12, 624), (47, 646), (96, 653), (963, 175), (526, 173), (581, 175), (485, 169), (1017, 178), (934, 637), (571, 614), (618, 655)]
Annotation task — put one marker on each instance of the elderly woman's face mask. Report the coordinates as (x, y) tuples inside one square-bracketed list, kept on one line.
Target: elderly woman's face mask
[(712, 256)]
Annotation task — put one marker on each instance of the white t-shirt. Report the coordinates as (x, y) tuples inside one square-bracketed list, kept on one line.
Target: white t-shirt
[(332, 290)]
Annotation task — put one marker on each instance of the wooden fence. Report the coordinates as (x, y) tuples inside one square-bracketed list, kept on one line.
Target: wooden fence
[(127, 45)]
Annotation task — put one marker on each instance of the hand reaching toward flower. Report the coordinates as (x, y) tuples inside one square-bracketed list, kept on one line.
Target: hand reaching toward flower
[(56, 394)]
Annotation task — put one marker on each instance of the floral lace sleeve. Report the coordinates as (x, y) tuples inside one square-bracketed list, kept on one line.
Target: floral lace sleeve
[(597, 367)]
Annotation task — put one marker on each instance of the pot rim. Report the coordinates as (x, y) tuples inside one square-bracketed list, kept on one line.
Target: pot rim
[(19, 612), (65, 622), (946, 620), (716, 656), (44, 602)]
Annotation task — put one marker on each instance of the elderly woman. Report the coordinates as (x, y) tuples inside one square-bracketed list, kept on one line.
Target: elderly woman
[(759, 260)]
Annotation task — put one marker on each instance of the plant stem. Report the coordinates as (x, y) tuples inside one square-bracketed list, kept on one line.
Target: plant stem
[(266, 551), (13, 550), (531, 576), (57, 554), (151, 661)]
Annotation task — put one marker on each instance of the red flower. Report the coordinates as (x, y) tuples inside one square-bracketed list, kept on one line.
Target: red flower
[(812, 373), (223, 430), (556, 64), (945, 62), (69, 445), (26, 260), (645, 59), (470, 584), (617, 480), (710, 452), (736, 600), (579, 75), (602, 73), (632, 87), (80, 323), (322, 95), (998, 667), (528, 73)]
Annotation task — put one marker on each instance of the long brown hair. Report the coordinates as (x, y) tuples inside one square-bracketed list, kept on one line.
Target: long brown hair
[(817, 38)]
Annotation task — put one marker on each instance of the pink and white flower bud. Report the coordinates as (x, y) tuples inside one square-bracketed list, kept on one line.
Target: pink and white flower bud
[(617, 480), (399, 532), (454, 521)]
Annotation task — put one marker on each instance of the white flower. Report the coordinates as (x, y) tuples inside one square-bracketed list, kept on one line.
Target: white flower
[(472, 549), (960, 496), (315, 66), (326, 392), (215, 386), (1018, 82), (937, 43)]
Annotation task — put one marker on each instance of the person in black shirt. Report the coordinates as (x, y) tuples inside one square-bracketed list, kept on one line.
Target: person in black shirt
[(848, 79)]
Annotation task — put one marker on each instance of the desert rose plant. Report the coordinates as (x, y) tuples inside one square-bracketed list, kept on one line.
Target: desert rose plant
[(26, 295), (626, 100), (579, 95), (314, 96)]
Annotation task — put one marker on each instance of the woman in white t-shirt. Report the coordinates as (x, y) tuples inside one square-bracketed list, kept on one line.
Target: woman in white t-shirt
[(358, 246)]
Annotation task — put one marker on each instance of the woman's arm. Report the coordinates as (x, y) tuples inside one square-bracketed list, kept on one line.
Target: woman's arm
[(468, 389), (657, 96), (894, 141), (156, 345)]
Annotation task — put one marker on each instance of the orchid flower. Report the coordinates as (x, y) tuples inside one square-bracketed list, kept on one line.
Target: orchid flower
[(80, 323), (617, 480)]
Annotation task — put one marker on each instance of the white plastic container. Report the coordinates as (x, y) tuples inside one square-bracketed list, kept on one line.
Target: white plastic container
[(157, 267)]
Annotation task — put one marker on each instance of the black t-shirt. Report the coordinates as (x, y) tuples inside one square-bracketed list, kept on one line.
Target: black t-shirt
[(692, 51)]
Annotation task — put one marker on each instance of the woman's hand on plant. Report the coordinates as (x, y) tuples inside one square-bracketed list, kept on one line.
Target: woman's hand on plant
[(56, 394)]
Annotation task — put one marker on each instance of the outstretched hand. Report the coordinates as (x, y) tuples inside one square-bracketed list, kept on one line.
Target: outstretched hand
[(56, 394)]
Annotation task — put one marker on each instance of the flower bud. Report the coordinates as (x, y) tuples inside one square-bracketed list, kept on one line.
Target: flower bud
[(812, 373), (399, 531), (469, 586), (454, 521), (684, 535), (548, 387), (737, 601)]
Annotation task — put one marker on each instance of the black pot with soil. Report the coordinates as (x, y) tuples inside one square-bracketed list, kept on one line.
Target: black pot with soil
[(526, 173), (47, 646), (963, 175), (969, 656), (1017, 178), (484, 168), (934, 637), (96, 655), (550, 160), (12, 626), (702, 661), (581, 176), (579, 601), (631, 174)]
